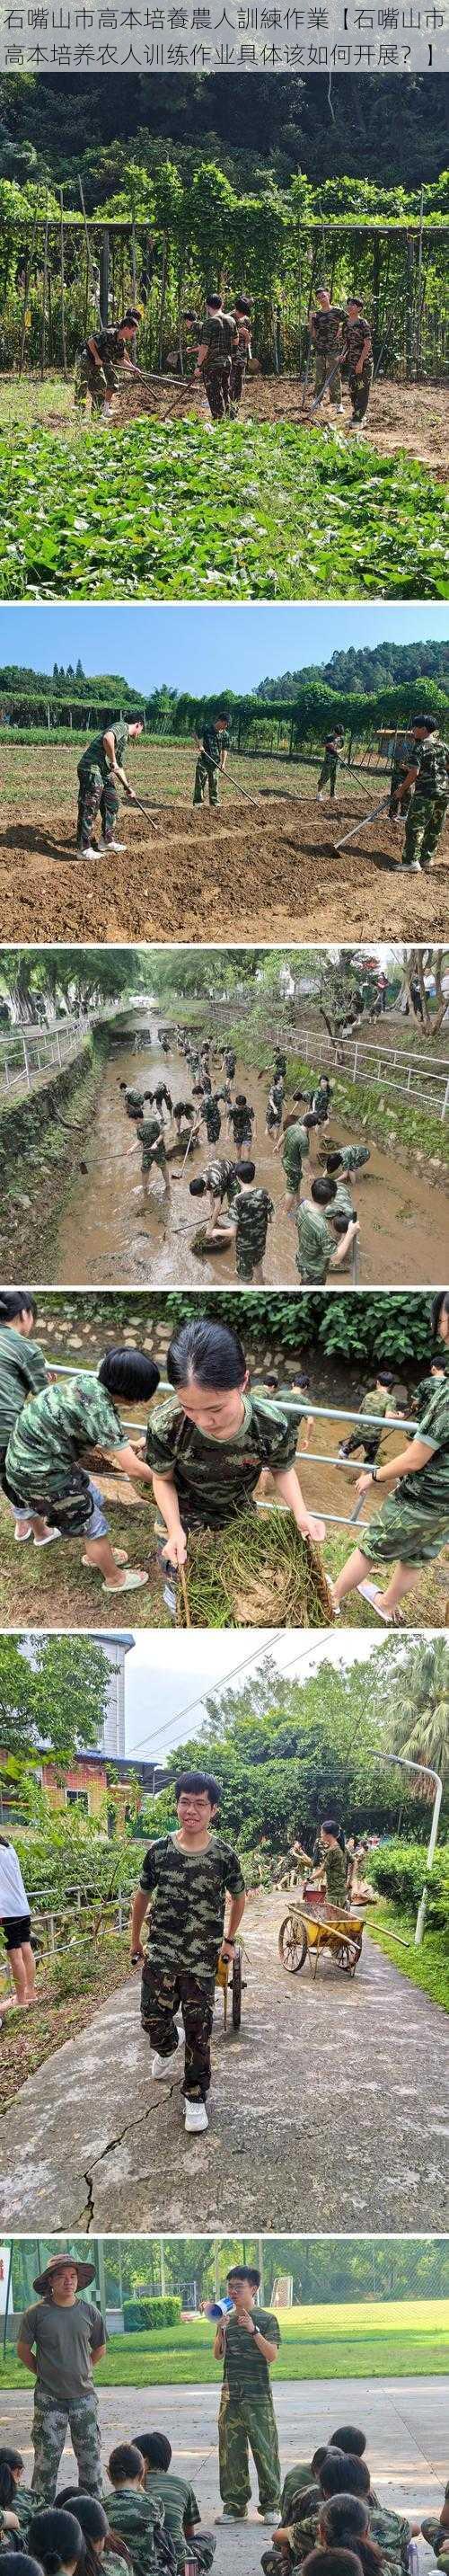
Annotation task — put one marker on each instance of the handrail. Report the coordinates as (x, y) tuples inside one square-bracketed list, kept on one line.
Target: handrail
[(290, 1404)]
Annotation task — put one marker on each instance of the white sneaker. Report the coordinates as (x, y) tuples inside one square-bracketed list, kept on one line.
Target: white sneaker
[(339, 407), (93, 851), (196, 2119), (412, 867), (160, 2068), (231, 2517), (272, 2518), (116, 845)]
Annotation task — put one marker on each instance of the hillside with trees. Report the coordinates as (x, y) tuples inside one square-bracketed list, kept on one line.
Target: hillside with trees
[(57, 128)]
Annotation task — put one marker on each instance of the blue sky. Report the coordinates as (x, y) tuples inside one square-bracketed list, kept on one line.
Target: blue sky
[(205, 648)]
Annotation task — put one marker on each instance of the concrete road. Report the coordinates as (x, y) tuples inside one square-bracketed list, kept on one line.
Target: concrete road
[(330, 2109), (405, 2421)]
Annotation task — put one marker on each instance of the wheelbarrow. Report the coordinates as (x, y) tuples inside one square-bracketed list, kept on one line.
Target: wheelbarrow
[(312, 1926), (231, 1979)]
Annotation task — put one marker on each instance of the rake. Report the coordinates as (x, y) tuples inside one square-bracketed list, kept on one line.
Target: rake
[(363, 825)]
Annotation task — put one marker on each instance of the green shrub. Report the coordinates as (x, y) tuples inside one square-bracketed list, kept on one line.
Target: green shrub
[(399, 1870), (147, 2314)]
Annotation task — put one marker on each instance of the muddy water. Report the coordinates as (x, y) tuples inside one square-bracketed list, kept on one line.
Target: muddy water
[(113, 1230)]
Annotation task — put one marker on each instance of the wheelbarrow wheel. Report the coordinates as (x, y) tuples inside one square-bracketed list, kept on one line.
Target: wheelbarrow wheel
[(237, 1990), (292, 1945)]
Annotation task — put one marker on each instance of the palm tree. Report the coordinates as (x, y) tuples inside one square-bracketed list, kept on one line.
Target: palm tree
[(420, 1727)]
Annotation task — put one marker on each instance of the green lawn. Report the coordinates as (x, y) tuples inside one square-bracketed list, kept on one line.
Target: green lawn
[(390, 2339), (427, 1967)]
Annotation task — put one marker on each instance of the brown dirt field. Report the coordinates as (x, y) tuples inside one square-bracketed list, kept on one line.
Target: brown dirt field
[(411, 417), (265, 872)]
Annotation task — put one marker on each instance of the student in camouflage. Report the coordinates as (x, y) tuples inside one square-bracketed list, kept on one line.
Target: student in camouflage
[(150, 1134), (241, 1122), (358, 359), (212, 756), (97, 362), (332, 1860), (187, 1876), (60, 2340), (43, 1473), (22, 1373), (133, 2514), (351, 1158), (317, 1252), (100, 773), (101, 2550), (211, 1117), (208, 1444), (274, 1106), (343, 2475), (428, 775), (332, 755), (295, 1149), (134, 1098), (413, 1525), (56, 2540), (214, 356), (402, 755), (321, 1098), (251, 1214), (16, 2500), (181, 2512), (230, 1061), (327, 338), (378, 1399), (247, 2342)]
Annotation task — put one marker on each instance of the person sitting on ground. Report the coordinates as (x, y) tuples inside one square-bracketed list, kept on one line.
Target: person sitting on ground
[(55, 2539), (343, 2474), (206, 1445), (436, 2530), (302, 2479), (379, 1399), (413, 1525), (28, 2566), (102, 2547), (50, 1438), (23, 1372), (133, 2514), (345, 2523), (317, 1253), (181, 2511), (15, 2498), (349, 2437)]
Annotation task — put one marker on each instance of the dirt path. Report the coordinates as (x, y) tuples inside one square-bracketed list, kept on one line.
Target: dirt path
[(262, 872), (328, 2110), (111, 1230), (401, 417)]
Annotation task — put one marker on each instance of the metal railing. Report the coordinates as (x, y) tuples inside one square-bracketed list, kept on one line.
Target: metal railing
[(42, 1044), (369, 1062)]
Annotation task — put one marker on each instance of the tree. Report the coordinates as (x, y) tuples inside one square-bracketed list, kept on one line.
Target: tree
[(419, 1724), (57, 1698)]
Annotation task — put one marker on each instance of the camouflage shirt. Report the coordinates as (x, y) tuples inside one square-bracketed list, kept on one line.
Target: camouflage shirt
[(326, 328), (245, 2371), (178, 2499), (354, 1156), (316, 1242), (242, 1122), (335, 1867), (134, 2515), (433, 770), (253, 1210), (219, 1177), (431, 1486), (54, 1430), (373, 1402), (215, 1478), (294, 1153), (320, 1100), (213, 743), (217, 336), (356, 334), (212, 1119), (95, 757), (297, 2480), (134, 1097), (342, 1203), (188, 1891), (22, 1373), (150, 1127)]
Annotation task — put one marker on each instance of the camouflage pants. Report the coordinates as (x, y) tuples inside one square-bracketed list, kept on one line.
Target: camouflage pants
[(404, 1532), (99, 381), (154, 1154), (202, 2548), (249, 1257), (398, 774), (237, 377), (425, 823), (163, 1991), (360, 389), (96, 796), (206, 777), (216, 385), (322, 370), (248, 2423), (50, 2425), (328, 771)]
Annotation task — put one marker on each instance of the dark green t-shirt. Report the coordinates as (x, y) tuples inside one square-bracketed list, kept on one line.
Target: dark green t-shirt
[(245, 2371), (63, 2340), (215, 1478), (188, 1891)]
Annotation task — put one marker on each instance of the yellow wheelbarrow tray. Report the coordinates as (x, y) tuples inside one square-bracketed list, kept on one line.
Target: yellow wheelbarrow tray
[(231, 1979), (306, 1932)]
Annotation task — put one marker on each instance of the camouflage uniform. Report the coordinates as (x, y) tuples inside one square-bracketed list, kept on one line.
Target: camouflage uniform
[(401, 763), (326, 335), (413, 1524), (220, 1178), (247, 2419), (64, 2341), (138, 2521), (320, 1102), (185, 1935), (274, 1103), (215, 1480), (359, 386), (253, 1210), (97, 786), (212, 1119), (342, 1204), (428, 808), (330, 766), (242, 1122), (22, 1373), (99, 377), (297, 2481), (181, 2514), (334, 1865), (151, 1139), (294, 1153), (218, 334), (241, 352), (134, 1101), (369, 1440), (208, 765), (316, 1244), (51, 1433), (230, 1063), (353, 1157)]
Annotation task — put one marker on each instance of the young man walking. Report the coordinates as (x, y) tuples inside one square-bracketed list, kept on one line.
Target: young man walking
[(187, 1876)]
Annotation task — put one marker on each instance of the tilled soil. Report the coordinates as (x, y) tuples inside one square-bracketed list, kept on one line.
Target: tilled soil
[(411, 417), (262, 871)]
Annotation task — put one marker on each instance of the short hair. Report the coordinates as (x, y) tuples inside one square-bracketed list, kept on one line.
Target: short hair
[(128, 1373), (429, 723), (271, 1377), (332, 2562), (244, 2272), (349, 2436), (242, 304), (16, 1301), (204, 1353), (28, 2566), (200, 1784), (355, 299), (385, 1377), (318, 2456), (246, 1171), (323, 1191), (341, 2473), (56, 2537), (126, 2461), (214, 300), (333, 1164), (155, 2448)]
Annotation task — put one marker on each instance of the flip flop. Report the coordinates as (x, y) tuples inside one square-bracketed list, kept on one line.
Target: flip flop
[(390, 1618)]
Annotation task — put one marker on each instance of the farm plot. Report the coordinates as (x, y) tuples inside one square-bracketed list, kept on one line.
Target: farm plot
[(181, 512)]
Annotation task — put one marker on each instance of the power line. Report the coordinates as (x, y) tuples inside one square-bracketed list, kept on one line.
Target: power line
[(275, 1635)]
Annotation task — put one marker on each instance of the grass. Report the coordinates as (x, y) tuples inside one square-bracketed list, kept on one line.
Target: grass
[(252, 1570), (256, 512), (402, 2337), (165, 770), (28, 2039), (428, 1967)]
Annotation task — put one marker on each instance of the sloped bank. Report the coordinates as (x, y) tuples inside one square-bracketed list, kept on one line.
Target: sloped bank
[(41, 1138)]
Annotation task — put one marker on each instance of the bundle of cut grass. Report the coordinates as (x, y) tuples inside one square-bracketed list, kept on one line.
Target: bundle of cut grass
[(256, 1573)]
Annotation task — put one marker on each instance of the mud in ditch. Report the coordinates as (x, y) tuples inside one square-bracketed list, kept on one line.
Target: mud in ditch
[(401, 416), (112, 1228), (261, 872)]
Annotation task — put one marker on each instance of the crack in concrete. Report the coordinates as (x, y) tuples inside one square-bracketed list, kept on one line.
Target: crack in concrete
[(86, 2217)]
